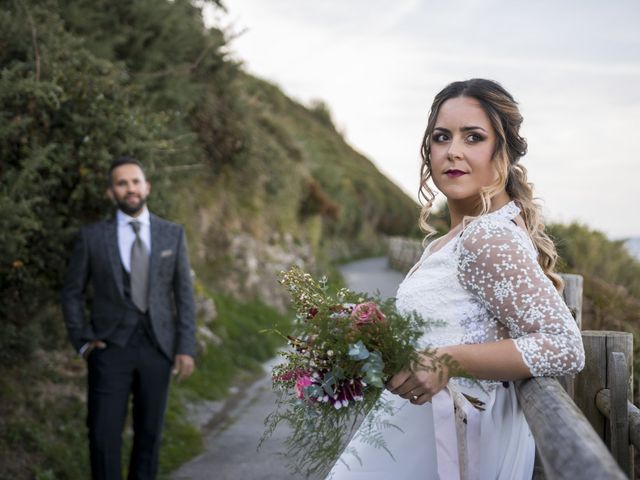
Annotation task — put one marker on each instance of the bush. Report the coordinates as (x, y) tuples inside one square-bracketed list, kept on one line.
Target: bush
[(66, 114)]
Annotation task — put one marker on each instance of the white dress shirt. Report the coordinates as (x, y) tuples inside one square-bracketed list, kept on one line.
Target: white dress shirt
[(126, 235)]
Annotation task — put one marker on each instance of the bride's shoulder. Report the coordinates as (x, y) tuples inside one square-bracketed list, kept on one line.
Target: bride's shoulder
[(493, 232)]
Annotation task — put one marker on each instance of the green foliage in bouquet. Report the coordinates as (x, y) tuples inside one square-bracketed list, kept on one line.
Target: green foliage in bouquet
[(345, 347)]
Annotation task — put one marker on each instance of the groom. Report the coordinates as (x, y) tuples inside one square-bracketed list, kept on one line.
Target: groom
[(142, 322)]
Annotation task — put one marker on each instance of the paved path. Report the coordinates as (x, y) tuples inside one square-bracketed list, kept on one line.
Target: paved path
[(372, 275), (231, 441)]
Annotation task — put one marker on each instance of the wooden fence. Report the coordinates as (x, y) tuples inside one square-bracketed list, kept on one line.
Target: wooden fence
[(585, 426)]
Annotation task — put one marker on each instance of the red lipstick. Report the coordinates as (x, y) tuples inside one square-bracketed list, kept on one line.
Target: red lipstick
[(455, 173)]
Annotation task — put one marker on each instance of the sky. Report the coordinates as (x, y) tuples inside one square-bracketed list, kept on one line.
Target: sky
[(573, 66)]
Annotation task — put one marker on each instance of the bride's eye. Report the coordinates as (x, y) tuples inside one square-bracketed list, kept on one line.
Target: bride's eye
[(439, 137), (475, 138)]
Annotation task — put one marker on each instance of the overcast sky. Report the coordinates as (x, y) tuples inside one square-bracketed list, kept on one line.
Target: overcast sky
[(573, 66)]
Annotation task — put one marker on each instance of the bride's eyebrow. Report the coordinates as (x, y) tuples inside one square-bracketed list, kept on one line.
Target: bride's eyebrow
[(462, 129)]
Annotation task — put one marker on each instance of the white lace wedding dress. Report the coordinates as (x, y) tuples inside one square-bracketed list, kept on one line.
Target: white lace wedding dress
[(485, 284)]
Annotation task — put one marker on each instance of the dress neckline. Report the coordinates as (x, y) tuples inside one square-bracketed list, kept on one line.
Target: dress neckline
[(508, 211)]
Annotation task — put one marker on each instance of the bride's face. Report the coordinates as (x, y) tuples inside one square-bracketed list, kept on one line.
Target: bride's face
[(462, 147)]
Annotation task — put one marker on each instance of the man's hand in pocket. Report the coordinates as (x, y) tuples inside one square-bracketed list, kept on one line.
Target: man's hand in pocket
[(92, 346)]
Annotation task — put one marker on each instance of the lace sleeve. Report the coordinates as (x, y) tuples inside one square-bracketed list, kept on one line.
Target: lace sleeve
[(498, 266)]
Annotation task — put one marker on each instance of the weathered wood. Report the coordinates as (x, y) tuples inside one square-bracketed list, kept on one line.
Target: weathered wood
[(592, 379), (620, 342), (568, 446), (603, 400), (634, 424), (601, 373), (623, 342), (618, 385), (538, 469), (572, 295)]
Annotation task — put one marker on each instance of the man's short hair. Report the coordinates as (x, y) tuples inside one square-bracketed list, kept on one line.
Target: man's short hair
[(124, 160)]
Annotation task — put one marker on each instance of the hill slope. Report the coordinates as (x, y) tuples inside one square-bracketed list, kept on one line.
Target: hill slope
[(301, 194), (259, 181)]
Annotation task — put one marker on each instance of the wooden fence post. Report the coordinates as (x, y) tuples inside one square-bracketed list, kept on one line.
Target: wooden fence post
[(572, 295), (618, 384), (604, 371)]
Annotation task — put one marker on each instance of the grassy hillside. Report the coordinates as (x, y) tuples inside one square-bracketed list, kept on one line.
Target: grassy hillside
[(300, 194), (611, 282), (259, 181)]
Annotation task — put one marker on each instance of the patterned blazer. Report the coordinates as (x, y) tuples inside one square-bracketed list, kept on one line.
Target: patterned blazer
[(95, 262)]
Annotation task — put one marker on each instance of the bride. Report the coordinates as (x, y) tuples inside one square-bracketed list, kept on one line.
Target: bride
[(490, 281)]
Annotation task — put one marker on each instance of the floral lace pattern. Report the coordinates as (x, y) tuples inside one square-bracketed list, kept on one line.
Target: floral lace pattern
[(486, 285), (498, 265)]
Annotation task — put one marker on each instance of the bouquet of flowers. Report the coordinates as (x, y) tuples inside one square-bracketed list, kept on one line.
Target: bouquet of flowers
[(345, 347)]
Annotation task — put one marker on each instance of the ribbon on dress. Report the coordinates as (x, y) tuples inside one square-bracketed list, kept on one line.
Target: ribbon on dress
[(457, 433)]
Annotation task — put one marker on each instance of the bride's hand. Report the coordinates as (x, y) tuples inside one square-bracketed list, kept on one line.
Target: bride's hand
[(419, 385)]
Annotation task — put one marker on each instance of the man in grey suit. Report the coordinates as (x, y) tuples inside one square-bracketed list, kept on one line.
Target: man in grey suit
[(142, 322)]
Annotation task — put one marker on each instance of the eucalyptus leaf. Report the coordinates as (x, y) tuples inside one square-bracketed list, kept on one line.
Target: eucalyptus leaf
[(358, 351)]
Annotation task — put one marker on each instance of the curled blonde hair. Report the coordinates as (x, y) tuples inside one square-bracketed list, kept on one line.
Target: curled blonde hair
[(506, 119)]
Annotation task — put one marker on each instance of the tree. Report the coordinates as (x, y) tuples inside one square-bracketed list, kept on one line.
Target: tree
[(66, 114)]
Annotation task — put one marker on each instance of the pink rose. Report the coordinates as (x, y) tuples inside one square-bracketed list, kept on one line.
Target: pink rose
[(367, 313), (303, 382)]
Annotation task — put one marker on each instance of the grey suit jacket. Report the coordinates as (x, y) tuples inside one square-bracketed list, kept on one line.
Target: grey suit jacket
[(96, 261)]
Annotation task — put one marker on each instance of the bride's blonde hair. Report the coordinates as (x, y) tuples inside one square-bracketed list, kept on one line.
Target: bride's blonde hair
[(506, 119)]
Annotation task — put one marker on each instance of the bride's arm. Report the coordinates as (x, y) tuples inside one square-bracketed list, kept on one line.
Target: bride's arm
[(499, 360), (500, 270)]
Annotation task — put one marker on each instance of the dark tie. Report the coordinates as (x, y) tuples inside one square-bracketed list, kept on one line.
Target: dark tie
[(139, 270)]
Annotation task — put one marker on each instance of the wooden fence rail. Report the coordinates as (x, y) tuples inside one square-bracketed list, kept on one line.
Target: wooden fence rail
[(572, 438), (567, 445), (603, 401)]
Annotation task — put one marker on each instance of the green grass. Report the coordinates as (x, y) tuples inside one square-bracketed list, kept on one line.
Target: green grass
[(181, 440), (42, 422), (244, 346)]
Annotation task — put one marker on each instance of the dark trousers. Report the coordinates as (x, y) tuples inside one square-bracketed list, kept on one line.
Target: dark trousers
[(138, 369)]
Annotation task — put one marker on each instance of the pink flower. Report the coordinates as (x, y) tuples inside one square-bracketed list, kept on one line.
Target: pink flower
[(289, 375), (303, 382), (367, 313), (341, 311)]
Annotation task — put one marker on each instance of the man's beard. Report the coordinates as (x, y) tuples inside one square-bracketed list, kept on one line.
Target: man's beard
[(131, 209)]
